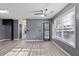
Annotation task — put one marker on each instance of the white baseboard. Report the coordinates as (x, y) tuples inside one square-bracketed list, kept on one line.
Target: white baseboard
[(1, 40), (33, 40), (4, 39), (7, 39)]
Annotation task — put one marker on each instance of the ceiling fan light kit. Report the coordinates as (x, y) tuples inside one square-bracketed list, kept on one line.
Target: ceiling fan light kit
[(42, 15)]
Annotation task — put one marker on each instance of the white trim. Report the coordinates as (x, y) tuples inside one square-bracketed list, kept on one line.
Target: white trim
[(16, 39), (4, 40), (7, 39), (61, 49), (33, 40)]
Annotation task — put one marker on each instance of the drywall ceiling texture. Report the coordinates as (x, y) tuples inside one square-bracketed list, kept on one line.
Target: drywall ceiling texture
[(25, 10)]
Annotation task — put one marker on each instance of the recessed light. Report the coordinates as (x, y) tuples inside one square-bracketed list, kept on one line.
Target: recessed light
[(3, 11)]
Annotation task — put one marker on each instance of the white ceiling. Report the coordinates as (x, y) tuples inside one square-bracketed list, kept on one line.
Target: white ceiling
[(25, 10)]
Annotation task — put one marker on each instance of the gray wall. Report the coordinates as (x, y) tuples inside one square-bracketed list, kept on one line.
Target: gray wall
[(15, 29), (2, 33), (69, 49), (5, 30), (35, 28)]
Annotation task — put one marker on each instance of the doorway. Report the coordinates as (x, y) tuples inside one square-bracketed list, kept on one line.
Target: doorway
[(46, 33)]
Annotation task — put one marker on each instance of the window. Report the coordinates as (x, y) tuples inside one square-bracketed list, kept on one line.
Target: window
[(64, 27)]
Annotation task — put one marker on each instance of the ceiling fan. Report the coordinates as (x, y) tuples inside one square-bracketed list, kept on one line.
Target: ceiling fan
[(41, 12)]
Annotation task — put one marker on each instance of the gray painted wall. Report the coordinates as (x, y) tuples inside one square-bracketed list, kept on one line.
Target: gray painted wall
[(15, 29), (35, 28), (2, 33), (5, 30), (69, 49)]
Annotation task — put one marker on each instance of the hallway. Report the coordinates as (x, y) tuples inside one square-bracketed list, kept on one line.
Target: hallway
[(30, 48)]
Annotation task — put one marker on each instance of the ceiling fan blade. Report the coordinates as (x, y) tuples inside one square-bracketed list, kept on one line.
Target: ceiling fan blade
[(39, 11), (38, 14)]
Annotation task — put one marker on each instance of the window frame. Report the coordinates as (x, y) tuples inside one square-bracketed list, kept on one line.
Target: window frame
[(73, 9)]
